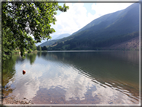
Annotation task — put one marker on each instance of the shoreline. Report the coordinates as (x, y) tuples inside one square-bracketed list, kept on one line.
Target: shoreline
[(12, 100)]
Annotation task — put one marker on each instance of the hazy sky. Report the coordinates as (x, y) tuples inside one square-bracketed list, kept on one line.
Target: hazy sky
[(80, 14)]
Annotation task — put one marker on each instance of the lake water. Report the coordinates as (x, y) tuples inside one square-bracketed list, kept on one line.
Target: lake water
[(74, 77)]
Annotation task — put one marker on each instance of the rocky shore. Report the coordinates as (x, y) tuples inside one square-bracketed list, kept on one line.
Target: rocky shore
[(12, 100)]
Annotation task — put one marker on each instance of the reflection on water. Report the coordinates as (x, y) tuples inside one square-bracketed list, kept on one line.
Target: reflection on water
[(75, 78)]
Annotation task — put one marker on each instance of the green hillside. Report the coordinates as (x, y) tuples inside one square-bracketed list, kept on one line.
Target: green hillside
[(51, 42), (48, 43), (106, 31)]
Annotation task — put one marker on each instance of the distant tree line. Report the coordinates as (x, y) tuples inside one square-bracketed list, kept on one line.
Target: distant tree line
[(92, 44), (44, 48)]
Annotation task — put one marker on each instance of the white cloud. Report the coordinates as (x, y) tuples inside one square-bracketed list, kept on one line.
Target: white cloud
[(77, 16), (72, 20), (105, 8)]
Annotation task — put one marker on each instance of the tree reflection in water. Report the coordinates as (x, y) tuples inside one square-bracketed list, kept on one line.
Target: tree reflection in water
[(8, 71)]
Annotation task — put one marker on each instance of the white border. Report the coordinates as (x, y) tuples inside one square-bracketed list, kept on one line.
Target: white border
[(140, 33)]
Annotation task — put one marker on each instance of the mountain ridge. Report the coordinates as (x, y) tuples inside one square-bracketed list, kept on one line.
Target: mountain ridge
[(110, 29), (50, 42)]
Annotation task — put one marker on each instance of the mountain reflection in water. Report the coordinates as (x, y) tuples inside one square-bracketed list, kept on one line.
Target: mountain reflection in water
[(77, 78)]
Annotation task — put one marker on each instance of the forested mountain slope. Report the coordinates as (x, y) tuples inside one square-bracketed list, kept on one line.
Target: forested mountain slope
[(51, 42), (105, 32)]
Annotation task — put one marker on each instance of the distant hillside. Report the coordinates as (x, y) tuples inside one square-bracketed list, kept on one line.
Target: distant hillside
[(48, 43), (51, 42), (105, 32), (62, 36), (130, 44)]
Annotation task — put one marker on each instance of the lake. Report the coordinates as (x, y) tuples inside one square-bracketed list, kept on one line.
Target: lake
[(73, 77)]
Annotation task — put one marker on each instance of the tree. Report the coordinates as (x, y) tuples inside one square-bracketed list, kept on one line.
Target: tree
[(44, 48), (26, 23), (39, 48), (33, 47)]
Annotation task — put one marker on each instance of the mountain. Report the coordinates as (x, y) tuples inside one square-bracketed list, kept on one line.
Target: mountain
[(53, 40), (62, 36), (48, 43), (112, 31)]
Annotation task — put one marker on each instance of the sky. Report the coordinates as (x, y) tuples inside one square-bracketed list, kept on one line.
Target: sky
[(80, 14)]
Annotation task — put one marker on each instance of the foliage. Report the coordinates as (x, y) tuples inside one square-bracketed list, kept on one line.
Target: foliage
[(33, 47), (39, 48), (26, 23), (44, 48)]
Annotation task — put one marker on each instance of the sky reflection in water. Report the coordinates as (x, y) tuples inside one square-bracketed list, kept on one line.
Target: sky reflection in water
[(50, 80)]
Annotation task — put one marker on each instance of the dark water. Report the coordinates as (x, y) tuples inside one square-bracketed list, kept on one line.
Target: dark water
[(109, 77)]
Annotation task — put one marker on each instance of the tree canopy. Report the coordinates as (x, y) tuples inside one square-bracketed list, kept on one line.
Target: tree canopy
[(26, 23)]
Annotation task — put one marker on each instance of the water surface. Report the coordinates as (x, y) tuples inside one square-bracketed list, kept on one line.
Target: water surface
[(74, 77)]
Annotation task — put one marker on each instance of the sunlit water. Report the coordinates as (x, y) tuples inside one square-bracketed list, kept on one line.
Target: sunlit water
[(74, 78)]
